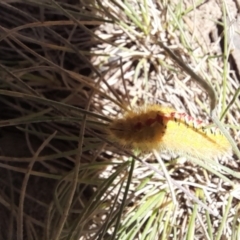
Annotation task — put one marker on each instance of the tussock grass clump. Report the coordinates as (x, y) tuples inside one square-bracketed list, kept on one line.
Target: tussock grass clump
[(66, 69)]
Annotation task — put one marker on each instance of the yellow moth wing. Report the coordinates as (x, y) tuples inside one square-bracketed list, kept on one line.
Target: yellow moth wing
[(186, 139)]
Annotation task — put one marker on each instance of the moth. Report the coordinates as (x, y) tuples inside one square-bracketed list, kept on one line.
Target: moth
[(161, 128)]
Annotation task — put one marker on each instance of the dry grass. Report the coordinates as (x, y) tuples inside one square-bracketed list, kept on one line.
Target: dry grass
[(66, 69)]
